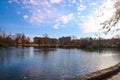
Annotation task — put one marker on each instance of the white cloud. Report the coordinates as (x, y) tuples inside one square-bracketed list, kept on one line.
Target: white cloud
[(16, 1), (80, 0), (94, 3), (34, 2), (110, 35), (92, 22), (37, 18), (82, 17), (44, 11), (9, 1), (106, 11), (81, 7), (55, 1), (25, 17), (18, 12), (74, 1), (89, 25), (63, 20), (66, 18), (39, 11), (56, 26), (46, 3), (25, 2)]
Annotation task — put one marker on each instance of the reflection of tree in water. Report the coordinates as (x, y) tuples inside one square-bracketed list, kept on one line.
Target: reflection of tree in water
[(113, 52), (91, 50), (21, 53), (116, 51), (5, 55), (45, 51), (8, 54)]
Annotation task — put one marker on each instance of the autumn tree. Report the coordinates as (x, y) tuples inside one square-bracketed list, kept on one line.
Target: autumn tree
[(21, 39), (6, 40)]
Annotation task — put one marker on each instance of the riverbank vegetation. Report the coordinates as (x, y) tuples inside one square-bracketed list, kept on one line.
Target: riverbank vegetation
[(8, 40), (100, 43)]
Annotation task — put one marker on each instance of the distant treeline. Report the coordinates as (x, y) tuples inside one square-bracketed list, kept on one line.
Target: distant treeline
[(8, 40), (99, 43)]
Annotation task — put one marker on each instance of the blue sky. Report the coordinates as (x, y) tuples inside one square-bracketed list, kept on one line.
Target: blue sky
[(53, 17)]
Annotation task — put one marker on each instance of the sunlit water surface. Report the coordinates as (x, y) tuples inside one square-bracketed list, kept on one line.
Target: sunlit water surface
[(52, 63)]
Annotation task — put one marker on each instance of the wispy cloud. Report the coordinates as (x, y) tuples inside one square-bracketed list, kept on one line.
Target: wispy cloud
[(89, 25), (16, 1), (56, 26), (45, 11), (55, 1), (106, 10), (38, 10), (60, 12), (66, 18), (63, 20), (103, 13), (80, 0), (18, 12), (81, 7), (25, 17), (94, 3)]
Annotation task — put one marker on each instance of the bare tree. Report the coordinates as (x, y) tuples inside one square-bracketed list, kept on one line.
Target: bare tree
[(114, 20), (45, 36), (21, 39)]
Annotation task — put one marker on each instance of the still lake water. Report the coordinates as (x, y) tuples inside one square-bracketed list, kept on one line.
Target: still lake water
[(52, 63)]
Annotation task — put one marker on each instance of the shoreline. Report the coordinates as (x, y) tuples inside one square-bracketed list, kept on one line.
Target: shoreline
[(99, 75), (57, 46)]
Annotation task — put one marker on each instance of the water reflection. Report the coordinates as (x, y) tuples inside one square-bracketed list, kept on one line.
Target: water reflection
[(45, 51), (52, 63), (109, 57)]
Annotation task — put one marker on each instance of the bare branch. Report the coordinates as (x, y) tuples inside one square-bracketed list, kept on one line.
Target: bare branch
[(113, 21)]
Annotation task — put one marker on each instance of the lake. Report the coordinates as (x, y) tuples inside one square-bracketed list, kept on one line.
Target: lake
[(52, 63)]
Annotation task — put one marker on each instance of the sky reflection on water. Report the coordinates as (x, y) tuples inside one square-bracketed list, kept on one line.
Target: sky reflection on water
[(52, 63)]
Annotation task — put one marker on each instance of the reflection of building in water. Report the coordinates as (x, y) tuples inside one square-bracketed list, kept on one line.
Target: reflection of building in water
[(44, 50), (45, 41)]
